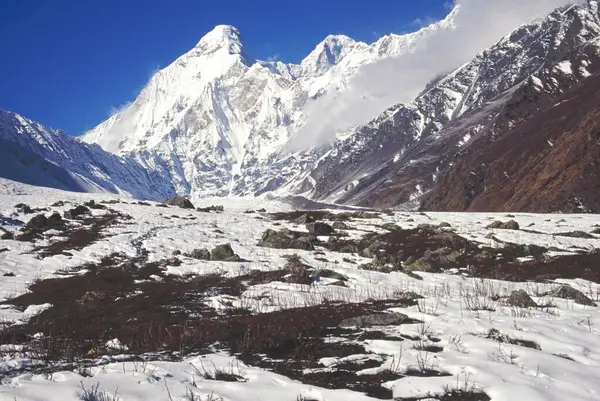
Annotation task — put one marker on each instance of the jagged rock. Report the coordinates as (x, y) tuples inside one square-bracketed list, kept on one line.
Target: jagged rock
[(296, 271), (212, 208), (318, 228), (23, 208), (389, 227), (55, 220), (224, 253), (338, 225), (304, 219), (375, 319), (261, 210), (200, 254), (38, 223), (9, 274), (58, 204), (77, 211), (286, 239), (521, 299), (443, 224), (509, 225), (180, 201), (576, 234), (568, 292), (93, 205), (330, 274)]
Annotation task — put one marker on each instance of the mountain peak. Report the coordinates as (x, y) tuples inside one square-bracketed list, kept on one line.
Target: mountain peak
[(328, 53), (225, 37)]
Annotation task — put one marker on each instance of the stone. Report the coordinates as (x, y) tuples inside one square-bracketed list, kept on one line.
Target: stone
[(38, 223), (304, 219), (180, 201), (375, 319), (509, 225), (296, 271), (200, 254), (338, 225), (76, 212), (93, 205), (23, 208), (568, 292), (318, 228), (224, 253), (521, 299)]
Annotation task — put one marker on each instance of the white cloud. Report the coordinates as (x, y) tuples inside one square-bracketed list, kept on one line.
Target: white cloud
[(478, 25)]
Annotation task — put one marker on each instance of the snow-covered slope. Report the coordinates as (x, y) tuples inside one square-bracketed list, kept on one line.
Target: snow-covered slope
[(34, 154), (398, 156), (218, 119)]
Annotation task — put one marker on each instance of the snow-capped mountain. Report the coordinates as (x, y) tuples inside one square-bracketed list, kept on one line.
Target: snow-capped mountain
[(218, 119), (34, 154), (399, 156)]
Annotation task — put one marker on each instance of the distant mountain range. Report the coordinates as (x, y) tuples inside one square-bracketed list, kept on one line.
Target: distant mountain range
[(512, 129)]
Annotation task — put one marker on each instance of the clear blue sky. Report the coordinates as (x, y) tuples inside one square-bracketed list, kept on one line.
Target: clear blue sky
[(67, 63)]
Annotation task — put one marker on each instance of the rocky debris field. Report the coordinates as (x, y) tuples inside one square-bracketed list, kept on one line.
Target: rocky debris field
[(128, 300)]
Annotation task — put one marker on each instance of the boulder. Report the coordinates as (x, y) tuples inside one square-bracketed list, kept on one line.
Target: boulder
[(224, 253), (338, 225), (375, 319), (93, 205), (521, 299), (296, 271), (509, 225), (318, 228), (76, 212), (568, 292), (200, 254), (179, 201), (38, 223), (285, 239), (23, 208), (304, 219)]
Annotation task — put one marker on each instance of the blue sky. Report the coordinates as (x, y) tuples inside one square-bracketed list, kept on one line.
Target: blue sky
[(67, 63)]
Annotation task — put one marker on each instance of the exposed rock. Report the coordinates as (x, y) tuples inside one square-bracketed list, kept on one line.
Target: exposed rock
[(38, 223), (261, 210), (375, 319), (212, 208), (568, 292), (318, 228), (201, 254), (443, 224), (338, 225), (330, 274), (6, 234), (521, 299), (296, 271), (77, 211), (509, 225), (93, 205), (389, 226), (23, 208), (179, 201), (224, 253), (177, 252), (286, 239), (9, 274), (576, 234), (304, 219), (58, 204)]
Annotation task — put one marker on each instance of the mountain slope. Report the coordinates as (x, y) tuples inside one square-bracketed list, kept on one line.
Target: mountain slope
[(402, 154), (218, 119), (34, 154)]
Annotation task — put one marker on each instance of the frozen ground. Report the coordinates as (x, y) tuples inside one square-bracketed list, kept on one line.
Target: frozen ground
[(463, 338)]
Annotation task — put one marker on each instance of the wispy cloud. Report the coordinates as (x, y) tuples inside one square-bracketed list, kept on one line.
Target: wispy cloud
[(478, 25), (274, 57)]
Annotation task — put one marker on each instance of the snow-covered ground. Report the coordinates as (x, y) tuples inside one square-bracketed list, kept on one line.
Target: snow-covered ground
[(564, 364)]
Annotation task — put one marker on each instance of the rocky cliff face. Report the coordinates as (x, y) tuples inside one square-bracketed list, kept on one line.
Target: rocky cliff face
[(414, 149)]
